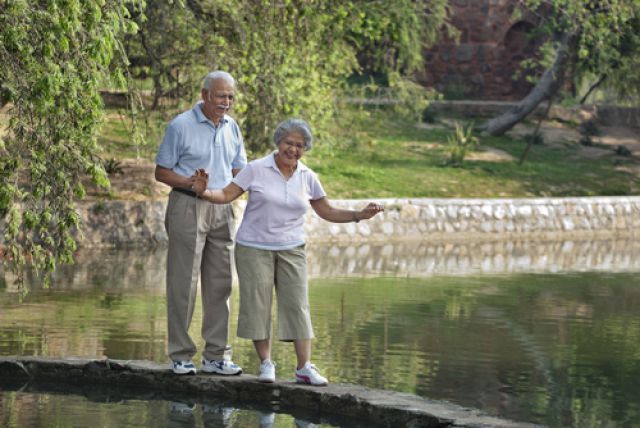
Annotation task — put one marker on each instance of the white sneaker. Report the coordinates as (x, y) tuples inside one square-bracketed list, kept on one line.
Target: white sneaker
[(221, 367), (309, 374), (267, 372), (183, 367)]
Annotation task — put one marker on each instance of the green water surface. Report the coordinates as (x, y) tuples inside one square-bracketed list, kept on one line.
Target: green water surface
[(562, 350)]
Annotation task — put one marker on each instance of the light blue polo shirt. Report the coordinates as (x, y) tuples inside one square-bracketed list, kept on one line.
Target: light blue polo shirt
[(274, 216), (192, 141)]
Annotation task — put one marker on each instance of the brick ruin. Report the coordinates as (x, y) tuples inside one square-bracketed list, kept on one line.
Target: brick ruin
[(482, 63)]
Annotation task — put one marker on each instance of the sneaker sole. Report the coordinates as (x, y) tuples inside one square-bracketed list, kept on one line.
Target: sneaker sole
[(222, 374), (188, 372), (266, 380), (306, 381)]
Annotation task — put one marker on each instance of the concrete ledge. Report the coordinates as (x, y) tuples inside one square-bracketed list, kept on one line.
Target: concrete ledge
[(376, 407)]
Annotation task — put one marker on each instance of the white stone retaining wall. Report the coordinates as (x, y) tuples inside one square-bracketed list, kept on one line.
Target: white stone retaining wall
[(128, 223)]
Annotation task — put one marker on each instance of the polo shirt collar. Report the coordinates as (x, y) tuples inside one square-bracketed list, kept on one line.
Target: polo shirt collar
[(200, 117), (271, 163)]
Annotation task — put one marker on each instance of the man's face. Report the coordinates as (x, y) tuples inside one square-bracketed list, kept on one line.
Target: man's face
[(218, 100)]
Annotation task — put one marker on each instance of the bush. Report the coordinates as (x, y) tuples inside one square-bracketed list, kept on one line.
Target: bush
[(429, 115), (460, 143), (590, 128)]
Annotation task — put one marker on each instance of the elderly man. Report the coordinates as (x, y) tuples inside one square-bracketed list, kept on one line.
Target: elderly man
[(203, 138)]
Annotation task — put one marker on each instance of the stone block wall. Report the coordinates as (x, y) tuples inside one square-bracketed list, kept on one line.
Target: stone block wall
[(129, 223), (482, 63)]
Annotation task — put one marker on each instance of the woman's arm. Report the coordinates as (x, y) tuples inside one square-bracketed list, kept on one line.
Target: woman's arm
[(218, 196), (326, 211)]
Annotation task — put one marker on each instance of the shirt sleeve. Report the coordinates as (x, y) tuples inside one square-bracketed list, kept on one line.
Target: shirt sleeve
[(240, 159), (315, 188), (169, 151), (245, 177)]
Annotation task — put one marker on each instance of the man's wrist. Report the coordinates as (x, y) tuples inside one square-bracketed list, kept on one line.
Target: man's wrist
[(355, 217)]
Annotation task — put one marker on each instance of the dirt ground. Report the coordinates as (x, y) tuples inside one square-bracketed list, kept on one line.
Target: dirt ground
[(133, 180)]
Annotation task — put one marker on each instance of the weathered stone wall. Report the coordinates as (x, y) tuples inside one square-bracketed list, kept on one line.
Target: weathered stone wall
[(482, 63), (129, 223)]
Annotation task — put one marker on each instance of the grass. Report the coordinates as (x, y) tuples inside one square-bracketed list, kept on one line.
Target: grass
[(376, 155), (386, 157)]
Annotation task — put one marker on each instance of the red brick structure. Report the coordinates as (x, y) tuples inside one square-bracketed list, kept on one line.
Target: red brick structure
[(482, 64)]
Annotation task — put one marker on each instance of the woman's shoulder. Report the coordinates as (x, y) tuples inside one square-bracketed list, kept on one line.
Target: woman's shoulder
[(263, 161)]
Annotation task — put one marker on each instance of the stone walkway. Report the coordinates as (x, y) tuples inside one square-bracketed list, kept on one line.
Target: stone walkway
[(362, 405)]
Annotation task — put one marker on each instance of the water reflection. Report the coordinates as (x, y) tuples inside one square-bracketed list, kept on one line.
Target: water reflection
[(549, 339), (40, 409), (145, 268)]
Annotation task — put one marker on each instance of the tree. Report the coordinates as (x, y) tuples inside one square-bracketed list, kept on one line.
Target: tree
[(53, 58), (587, 36), (290, 57)]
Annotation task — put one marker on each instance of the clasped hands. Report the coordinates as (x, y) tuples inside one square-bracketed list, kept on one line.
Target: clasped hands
[(199, 181)]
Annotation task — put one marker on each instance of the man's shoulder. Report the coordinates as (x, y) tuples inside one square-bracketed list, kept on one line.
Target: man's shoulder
[(187, 117), (232, 124)]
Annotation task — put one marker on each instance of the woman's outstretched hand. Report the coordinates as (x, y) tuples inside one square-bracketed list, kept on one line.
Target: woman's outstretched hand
[(369, 211)]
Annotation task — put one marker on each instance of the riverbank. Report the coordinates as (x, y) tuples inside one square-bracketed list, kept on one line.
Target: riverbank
[(141, 223)]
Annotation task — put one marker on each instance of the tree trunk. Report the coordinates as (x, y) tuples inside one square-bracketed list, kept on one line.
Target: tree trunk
[(593, 88), (546, 88)]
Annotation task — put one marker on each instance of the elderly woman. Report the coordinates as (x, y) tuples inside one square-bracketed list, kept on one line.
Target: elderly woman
[(270, 245)]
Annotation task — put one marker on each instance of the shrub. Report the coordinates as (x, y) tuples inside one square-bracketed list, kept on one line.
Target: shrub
[(590, 128), (460, 143), (429, 115)]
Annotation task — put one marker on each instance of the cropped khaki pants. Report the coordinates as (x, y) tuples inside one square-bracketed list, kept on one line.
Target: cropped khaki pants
[(259, 272), (199, 248)]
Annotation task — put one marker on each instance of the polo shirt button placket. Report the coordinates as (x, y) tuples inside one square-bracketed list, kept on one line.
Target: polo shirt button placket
[(286, 191)]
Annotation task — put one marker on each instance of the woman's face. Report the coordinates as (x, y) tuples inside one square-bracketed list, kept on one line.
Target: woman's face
[(291, 148)]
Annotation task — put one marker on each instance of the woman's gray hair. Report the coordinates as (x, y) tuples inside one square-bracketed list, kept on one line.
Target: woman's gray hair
[(217, 75), (294, 125)]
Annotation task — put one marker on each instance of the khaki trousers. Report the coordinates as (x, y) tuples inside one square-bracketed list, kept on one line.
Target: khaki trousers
[(259, 271), (199, 248)]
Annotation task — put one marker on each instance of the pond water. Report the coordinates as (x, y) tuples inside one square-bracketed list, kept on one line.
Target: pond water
[(19, 410), (538, 332)]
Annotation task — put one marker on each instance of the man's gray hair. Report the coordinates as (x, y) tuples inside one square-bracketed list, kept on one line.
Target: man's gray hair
[(294, 125), (217, 75)]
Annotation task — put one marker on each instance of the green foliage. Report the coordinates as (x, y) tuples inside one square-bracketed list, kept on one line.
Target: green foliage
[(173, 50), (112, 166), (411, 99), (290, 58), (460, 143), (53, 57), (608, 38), (429, 115)]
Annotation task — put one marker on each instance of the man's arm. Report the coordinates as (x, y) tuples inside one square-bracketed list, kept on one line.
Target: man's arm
[(172, 179)]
